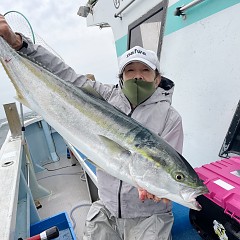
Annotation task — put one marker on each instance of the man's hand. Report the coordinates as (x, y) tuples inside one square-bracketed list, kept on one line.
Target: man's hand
[(143, 194), (13, 39)]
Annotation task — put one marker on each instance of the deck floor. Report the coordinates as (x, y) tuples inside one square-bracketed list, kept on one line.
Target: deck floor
[(68, 190)]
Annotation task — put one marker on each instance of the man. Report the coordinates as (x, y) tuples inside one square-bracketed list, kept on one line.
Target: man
[(123, 211)]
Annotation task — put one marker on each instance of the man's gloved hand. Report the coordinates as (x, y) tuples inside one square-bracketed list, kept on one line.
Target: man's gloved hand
[(13, 39)]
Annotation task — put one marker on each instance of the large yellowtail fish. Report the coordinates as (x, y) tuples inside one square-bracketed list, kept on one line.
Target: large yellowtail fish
[(113, 141)]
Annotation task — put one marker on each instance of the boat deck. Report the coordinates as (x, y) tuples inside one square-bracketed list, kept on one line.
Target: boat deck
[(68, 192)]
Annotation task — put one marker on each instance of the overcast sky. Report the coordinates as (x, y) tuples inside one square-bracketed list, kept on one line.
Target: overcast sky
[(86, 49)]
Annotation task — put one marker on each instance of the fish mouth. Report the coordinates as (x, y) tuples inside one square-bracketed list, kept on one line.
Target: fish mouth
[(190, 196)]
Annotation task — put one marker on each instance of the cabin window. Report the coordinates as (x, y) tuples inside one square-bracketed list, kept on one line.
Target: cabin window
[(231, 142), (147, 31)]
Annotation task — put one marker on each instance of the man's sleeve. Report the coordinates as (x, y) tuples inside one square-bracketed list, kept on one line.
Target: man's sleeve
[(58, 67)]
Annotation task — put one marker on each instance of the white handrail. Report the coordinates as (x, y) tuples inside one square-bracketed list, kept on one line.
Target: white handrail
[(180, 10), (123, 9)]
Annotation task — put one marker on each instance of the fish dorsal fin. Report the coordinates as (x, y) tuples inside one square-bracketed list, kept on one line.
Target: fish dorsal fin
[(113, 147), (91, 91)]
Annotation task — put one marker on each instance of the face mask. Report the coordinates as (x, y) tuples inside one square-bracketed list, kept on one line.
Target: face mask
[(138, 90)]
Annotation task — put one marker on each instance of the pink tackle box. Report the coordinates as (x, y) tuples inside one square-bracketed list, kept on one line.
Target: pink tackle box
[(223, 181), (220, 214)]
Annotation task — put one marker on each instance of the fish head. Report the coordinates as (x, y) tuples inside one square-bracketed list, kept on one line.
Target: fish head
[(183, 181), (166, 174)]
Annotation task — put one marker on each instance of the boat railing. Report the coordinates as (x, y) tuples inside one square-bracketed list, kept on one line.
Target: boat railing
[(18, 182)]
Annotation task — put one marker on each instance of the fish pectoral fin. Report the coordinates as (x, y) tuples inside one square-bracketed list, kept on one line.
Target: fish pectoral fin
[(23, 101), (91, 91), (113, 147)]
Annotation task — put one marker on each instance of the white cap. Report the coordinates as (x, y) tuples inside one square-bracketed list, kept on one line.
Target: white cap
[(139, 54)]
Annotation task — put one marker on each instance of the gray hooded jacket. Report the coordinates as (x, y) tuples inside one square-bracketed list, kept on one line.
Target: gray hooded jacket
[(156, 114)]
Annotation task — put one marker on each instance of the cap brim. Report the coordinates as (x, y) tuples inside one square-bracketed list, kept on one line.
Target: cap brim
[(144, 61)]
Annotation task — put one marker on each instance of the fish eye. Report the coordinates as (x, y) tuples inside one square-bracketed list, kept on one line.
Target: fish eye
[(179, 176)]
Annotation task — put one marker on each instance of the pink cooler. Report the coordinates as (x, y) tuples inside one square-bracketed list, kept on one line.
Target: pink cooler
[(223, 181), (220, 214)]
